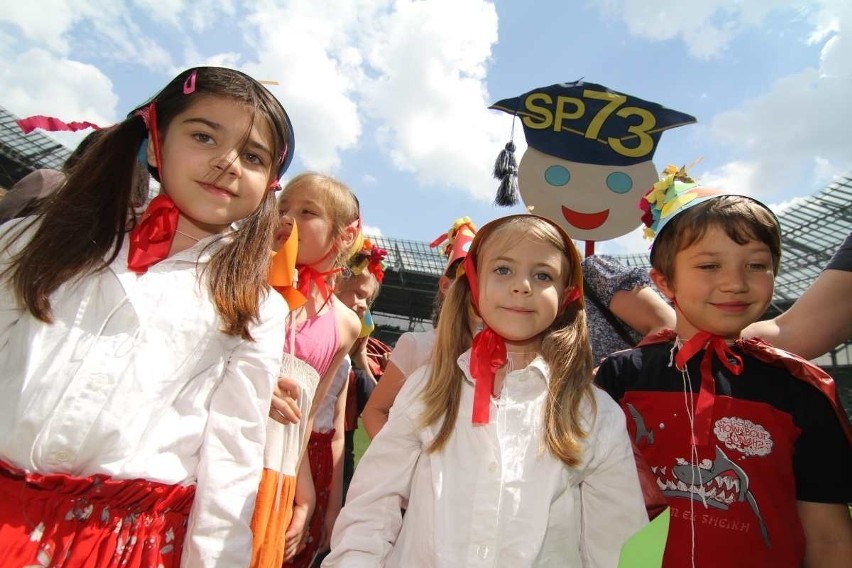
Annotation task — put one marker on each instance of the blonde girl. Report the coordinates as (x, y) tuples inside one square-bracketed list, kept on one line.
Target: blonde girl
[(507, 453), (138, 350), (327, 217)]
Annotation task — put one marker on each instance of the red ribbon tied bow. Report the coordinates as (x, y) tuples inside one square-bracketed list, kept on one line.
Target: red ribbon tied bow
[(310, 276), (703, 417), (152, 237), (488, 353)]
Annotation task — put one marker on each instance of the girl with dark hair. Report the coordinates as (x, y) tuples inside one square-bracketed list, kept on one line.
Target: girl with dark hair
[(138, 351)]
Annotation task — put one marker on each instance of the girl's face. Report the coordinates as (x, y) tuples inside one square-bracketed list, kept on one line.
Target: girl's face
[(520, 289), (302, 205), (214, 174)]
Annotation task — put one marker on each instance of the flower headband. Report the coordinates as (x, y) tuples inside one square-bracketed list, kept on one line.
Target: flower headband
[(675, 193), (370, 258)]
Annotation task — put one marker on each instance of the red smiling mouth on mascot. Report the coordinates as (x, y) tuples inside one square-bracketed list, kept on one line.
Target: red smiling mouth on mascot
[(585, 221)]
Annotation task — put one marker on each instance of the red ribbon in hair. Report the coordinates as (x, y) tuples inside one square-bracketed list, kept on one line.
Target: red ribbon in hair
[(703, 417), (52, 124), (151, 239)]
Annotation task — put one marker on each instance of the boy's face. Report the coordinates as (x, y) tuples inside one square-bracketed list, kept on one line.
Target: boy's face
[(718, 286), (357, 292)]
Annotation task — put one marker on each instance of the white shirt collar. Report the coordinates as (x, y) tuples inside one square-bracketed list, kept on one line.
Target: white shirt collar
[(537, 366)]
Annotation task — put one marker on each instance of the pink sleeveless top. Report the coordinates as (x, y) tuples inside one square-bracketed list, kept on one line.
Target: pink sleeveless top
[(317, 340)]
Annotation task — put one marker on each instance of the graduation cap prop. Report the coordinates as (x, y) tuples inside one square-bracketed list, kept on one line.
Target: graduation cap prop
[(589, 156)]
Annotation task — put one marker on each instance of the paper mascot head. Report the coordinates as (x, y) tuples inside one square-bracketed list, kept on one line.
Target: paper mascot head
[(589, 157)]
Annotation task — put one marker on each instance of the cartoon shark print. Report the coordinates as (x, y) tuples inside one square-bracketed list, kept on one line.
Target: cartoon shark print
[(717, 484)]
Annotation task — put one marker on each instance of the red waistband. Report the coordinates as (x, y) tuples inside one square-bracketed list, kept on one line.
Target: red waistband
[(131, 494)]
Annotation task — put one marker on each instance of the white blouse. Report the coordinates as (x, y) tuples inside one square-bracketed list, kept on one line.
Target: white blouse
[(494, 496), (413, 349), (135, 380)]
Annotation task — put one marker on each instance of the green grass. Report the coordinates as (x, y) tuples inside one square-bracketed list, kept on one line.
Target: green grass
[(362, 440)]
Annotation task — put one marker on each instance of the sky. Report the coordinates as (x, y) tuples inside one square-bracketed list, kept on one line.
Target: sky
[(392, 97)]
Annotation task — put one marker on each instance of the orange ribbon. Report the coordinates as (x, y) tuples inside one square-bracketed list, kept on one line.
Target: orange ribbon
[(283, 268)]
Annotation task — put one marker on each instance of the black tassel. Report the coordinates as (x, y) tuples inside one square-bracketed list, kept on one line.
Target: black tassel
[(506, 170)]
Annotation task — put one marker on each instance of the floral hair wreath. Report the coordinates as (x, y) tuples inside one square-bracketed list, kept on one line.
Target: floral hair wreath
[(654, 202), (370, 258)]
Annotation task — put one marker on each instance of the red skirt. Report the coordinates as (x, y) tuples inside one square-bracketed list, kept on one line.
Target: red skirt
[(322, 465), (90, 522)]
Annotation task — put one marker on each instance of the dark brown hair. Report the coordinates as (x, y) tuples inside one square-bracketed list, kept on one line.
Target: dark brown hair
[(83, 227), (743, 219)]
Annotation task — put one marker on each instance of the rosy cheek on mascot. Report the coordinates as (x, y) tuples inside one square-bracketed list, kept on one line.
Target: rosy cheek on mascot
[(589, 157)]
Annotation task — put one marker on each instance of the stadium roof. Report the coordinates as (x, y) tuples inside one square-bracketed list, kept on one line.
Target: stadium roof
[(22, 153)]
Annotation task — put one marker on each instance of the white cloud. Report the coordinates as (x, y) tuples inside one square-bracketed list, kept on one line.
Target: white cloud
[(46, 22), (38, 82), (705, 26), (799, 128), (735, 177), (311, 49), (372, 231), (177, 13), (110, 31), (427, 91), (417, 72), (796, 133)]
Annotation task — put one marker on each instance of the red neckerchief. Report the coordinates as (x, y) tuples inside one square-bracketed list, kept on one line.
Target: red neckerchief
[(488, 353), (151, 238), (703, 417), (799, 368), (310, 276)]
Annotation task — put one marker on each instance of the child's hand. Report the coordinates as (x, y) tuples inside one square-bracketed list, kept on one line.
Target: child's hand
[(285, 407), (294, 538)]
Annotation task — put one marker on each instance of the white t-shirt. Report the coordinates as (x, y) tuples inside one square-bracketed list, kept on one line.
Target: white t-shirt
[(493, 496), (134, 379)]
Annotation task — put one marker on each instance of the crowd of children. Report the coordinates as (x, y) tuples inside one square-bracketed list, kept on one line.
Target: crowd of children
[(177, 375)]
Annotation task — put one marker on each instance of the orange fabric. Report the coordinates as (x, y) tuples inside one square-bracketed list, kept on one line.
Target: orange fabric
[(283, 268), (273, 511)]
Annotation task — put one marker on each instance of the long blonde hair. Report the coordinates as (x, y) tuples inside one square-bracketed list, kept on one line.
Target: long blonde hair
[(565, 346)]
